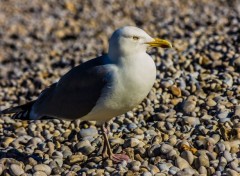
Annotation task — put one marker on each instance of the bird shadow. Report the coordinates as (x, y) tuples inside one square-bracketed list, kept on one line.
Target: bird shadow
[(19, 156)]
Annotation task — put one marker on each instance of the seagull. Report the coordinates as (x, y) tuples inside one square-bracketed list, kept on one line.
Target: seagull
[(101, 88)]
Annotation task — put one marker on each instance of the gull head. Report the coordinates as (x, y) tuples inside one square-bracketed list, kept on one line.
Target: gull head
[(130, 40)]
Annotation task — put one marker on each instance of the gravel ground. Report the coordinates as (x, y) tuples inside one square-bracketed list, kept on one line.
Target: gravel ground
[(188, 125)]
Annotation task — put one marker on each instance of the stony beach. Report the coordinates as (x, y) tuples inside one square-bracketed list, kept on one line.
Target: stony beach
[(188, 125)]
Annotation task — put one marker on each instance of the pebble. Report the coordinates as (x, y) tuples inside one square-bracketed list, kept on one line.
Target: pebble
[(211, 103), (115, 141), (189, 105), (188, 156), (39, 173), (154, 150), (132, 142), (231, 172), (181, 163), (76, 158), (202, 170), (165, 148), (1, 169), (85, 147), (92, 132), (202, 160), (173, 170), (132, 126), (16, 170), (135, 166), (146, 174), (223, 115), (43, 167), (227, 156)]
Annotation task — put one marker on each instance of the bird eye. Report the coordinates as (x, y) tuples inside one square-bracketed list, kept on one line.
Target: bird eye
[(135, 38)]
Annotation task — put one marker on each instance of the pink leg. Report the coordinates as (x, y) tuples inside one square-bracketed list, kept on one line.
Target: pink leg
[(107, 151)]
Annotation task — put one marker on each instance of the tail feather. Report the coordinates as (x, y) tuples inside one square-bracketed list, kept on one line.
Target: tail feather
[(19, 112)]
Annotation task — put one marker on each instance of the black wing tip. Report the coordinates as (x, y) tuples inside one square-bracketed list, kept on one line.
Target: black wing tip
[(19, 112), (22, 115), (10, 110)]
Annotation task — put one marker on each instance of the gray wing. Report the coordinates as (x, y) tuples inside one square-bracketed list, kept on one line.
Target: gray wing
[(76, 93)]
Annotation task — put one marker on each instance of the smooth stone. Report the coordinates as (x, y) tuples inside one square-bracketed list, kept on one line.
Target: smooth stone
[(222, 163), (39, 173), (182, 173), (16, 170), (71, 173), (66, 153), (85, 147), (227, 155), (135, 166), (154, 150), (172, 140), (153, 169), (146, 174), (88, 132), (150, 132), (220, 147), (211, 170), (109, 169), (1, 168), (173, 170), (57, 170), (76, 158), (161, 174), (211, 103), (28, 167), (167, 83), (181, 163), (35, 140), (231, 172), (138, 131), (115, 141), (77, 168), (202, 160), (193, 121), (43, 167), (223, 120), (172, 154), (237, 110), (108, 163), (32, 161), (189, 171), (132, 142), (59, 161), (235, 165), (218, 173), (189, 106), (214, 163), (223, 115), (51, 147), (216, 137), (202, 170), (57, 154), (188, 156), (164, 166), (132, 126), (165, 148)]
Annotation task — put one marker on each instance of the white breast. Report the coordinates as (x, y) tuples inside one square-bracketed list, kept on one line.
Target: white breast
[(131, 82)]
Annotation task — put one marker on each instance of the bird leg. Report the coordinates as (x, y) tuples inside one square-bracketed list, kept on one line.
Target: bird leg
[(106, 144), (107, 151)]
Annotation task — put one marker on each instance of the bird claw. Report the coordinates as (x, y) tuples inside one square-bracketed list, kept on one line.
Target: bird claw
[(118, 158)]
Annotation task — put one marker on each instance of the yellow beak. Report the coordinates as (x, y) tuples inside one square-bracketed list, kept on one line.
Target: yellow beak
[(160, 43)]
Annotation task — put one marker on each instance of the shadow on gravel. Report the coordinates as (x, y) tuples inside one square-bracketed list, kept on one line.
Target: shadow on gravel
[(19, 156)]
